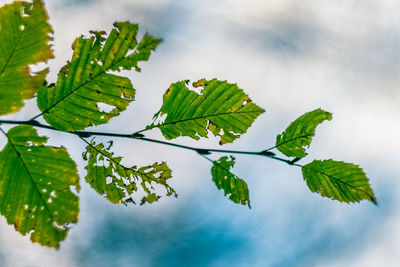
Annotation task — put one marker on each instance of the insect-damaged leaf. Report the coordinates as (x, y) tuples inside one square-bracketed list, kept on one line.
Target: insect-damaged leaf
[(221, 107), (35, 185), (232, 185), (108, 177), (83, 84), (24, 40), (338, 180), (299, 134)]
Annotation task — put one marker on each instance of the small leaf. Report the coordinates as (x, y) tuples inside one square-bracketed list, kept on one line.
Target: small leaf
[(338, 180), (232, 185), (221, 107), (85, 84), (24, 40), (108, 177), (35, 183), (299, 134)]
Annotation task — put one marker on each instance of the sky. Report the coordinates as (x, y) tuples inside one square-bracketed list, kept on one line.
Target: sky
[(290, 57)]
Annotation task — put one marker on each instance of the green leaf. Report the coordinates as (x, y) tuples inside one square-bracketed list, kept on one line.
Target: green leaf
[(299, 134), (117, 183), (24, 40), (232, 185), (85, 83), (221, 107), (338, 180), (35, 183)]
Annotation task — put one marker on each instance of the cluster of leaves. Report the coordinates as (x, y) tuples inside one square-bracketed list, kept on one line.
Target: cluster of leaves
[(39, 184), (117, 183)]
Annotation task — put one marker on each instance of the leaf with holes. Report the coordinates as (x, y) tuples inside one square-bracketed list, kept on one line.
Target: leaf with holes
[(232, 185), (221, 107), (338, 180), (117, 183), (35, 186), (84, 85), (24, 40), (299, 134)]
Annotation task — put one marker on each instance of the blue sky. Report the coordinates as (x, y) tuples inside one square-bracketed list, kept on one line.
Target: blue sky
[(290, 57)]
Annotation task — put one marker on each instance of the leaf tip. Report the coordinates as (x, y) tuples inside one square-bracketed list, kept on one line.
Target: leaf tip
[(374, 200), (328, 114)]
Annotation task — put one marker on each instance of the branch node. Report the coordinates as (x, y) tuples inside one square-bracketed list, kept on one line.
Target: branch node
[(293, 161), (137, 135), (267, 153), (34, 123), (203, 151), (83, 134)]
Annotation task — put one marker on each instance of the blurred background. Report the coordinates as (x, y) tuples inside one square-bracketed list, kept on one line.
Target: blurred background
[(291, 57)]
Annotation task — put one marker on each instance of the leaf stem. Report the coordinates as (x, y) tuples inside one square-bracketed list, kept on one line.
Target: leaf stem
[(201, 151)]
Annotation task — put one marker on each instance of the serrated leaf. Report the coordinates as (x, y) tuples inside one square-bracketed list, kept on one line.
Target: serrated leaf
[(85, 83), (221, 107), (232, 185), (338, 180), (35, 183), (299, 134), (117, 183), (24, 40)]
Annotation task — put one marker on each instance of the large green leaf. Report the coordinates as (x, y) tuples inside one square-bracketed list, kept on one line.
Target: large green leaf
[(338, 180), (221, 107), (117, 183), (73, 103), (299, 134), (24, 40), (35, 182), (232, 185)]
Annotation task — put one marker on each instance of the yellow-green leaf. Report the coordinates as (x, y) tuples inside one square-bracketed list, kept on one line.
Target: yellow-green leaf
[(221, 107), (35, 183), (299, 134), (338, 180), (117, 183), (232, 185), (85, 84), (24, 40)]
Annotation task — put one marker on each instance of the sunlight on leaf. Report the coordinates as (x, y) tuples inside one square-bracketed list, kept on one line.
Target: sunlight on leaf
[(117, 183), (338, 180), (232, 185), (299, 134), (24, 40), (35, 183), (221, 107), (85, 83)]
